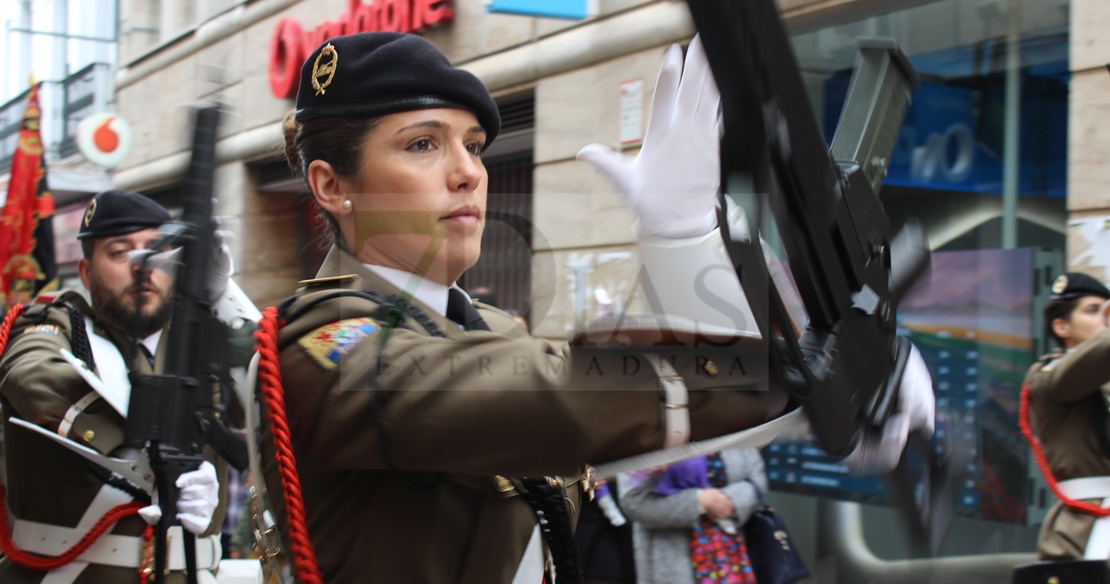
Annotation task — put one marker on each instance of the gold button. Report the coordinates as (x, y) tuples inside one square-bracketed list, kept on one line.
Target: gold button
[(89, 435), (711, 368)]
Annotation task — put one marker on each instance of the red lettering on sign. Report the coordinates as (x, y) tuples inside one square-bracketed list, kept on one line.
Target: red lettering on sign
[(286, 55), (362, 16), (427, 13), (290, 44)]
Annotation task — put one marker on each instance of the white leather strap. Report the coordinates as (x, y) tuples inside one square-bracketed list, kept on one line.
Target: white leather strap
[(1098, 544), (530, 568), (106, 498), (111, 550), (261, 523), (792, 423), (676, 411), (251, 414), (1086, 488), (240, 572), (74, 411), (234, 308), (111, 369)]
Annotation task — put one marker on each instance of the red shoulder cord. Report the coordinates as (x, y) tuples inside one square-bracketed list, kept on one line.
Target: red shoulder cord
[(1038, 455), (273, 394), (40, 563)]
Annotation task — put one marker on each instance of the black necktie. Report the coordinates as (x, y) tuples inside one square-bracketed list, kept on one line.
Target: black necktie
[(460, 310), (146, 353)]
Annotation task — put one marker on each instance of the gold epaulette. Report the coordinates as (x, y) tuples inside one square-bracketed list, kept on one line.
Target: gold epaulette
[(1048, 362)]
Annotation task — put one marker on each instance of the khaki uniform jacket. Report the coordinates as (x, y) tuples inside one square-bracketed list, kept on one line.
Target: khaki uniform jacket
[(46, 482), (1068, 413), (456, 414)]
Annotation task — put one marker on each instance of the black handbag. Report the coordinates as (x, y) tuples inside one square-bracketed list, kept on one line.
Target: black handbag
[(775, 558)]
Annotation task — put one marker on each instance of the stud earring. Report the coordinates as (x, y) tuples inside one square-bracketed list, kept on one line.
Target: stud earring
[(347, 204)]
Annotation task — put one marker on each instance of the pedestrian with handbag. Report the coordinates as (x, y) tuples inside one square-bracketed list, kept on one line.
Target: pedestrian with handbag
[(687, 518)]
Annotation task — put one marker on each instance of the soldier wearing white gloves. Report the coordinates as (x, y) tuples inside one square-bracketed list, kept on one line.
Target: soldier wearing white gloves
[(678, 211)]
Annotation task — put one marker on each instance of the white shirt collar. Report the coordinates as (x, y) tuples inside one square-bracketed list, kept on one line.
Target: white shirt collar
[(151, 342), (431, 293)]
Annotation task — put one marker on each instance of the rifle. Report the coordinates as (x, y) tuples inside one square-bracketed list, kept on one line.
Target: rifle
[(846, 367), (173, 413)]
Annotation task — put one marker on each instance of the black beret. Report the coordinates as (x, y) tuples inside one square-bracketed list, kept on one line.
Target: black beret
[(118, 212), (1077, 285), (370, 74)]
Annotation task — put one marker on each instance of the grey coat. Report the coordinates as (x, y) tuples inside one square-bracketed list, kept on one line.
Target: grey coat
[(662, 524)]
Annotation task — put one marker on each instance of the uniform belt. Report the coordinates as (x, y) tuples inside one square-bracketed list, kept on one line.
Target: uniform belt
[(123, 551), (1086, 488), (1098, 542)]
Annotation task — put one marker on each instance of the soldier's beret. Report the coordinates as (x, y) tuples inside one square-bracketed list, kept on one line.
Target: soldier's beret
[(370, 74), (1076, 285), (118, 212)]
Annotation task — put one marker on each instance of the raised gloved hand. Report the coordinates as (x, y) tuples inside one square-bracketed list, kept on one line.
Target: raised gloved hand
[(197, 499), (148, 259), (219, 261), (672, 182), (879, 452)]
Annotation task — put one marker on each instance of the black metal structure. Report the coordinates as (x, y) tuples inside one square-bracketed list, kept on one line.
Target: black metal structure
[(846, 367), (174, 413)]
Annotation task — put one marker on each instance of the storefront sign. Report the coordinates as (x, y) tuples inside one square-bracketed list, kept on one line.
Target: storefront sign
[(104, 139), (290, 44)]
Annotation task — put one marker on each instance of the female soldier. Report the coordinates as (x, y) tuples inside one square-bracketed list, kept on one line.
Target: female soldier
[(413, 412), (1068, 410)]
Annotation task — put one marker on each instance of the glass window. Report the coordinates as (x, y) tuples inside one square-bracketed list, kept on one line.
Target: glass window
[(981, 160)]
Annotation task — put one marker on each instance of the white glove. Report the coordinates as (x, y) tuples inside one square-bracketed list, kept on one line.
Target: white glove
[(219, 261), (198, 497), (151, 513), (196, 501), (879, 452), (672, 183), (165, 261)]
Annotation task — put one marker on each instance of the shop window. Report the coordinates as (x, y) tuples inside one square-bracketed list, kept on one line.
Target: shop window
[(977, 321)]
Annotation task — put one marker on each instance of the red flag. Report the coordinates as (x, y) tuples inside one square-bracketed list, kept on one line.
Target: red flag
[(26, 223)]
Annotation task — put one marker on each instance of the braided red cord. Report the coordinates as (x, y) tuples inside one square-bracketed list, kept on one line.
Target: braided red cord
[(1042, 463), (40, 563), (43, 564), (6, 328), (269, 377), (145, 565)]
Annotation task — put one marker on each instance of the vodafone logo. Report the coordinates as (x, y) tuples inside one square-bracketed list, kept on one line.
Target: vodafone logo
[(104, 139)]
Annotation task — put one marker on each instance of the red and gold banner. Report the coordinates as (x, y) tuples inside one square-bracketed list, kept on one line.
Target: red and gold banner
[(26, 227)]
